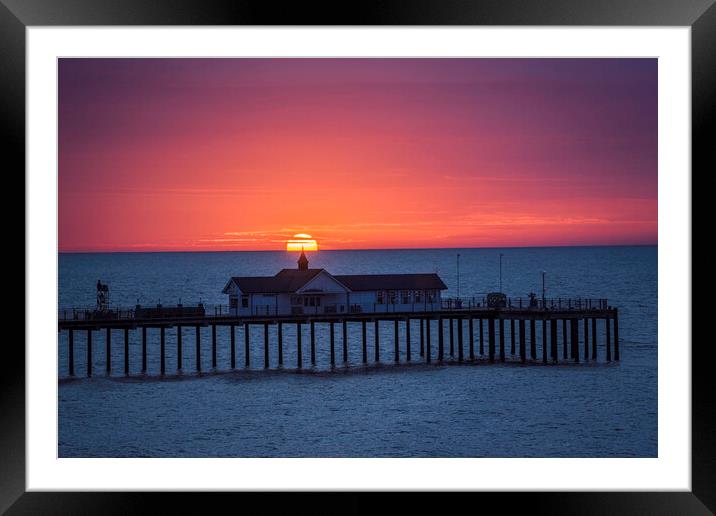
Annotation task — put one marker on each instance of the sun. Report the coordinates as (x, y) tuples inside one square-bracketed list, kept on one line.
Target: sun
[(302, 241)]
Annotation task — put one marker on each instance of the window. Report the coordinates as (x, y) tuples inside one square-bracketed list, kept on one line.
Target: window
[(391, 297), (233, 302), (405, 297), (431, 296), (417, 295), (380, 296), (244, 301)]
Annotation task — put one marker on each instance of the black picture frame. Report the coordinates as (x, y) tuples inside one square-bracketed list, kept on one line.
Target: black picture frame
[(700, 15)]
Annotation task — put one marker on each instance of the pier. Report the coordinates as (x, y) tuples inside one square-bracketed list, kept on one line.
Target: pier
[(459, 321)]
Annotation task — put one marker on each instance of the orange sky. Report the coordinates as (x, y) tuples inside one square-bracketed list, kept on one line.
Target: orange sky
[(240, 154)]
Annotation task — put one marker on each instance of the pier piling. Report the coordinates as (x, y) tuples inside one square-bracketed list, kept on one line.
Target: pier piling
[(422, 337), (198, 347), (482, 339), (396, 342), (533, 339), (89, 352), (564, 339), (232, 329), (512, 337), (313, 343), (616, 335), (472, 339), (345, 341), (586, 339), (364, 342), (247, 346), (553, 342), (459, 339), (179, 347), (544, 341), (574, 327), (609, 338), (427, 340), (491, 337), (266, 346), (144, 349), (299, 356), (407, 339), (523, 341), (162, 363), (502, 340), (377, 341), (279, 336), (594, 338), (452, 338), (126, 351), (441, 338), (213, 346), (71, 351), (109, 350), (332, 340)]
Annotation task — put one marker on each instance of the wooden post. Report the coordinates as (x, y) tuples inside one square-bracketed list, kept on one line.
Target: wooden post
[(553, 324), (574, 325), (407, 339), (472, 340), (364, 342), (427, 340), (452, 339), (345, 341), (71, 351), (198, 347), (482, 338), (422, 337), (459, 339), (313, 343), (533, 339), (213, 346), (233, 347), (491, 337), (162, 363), (594, 338), (332, 339), (144, 349), (616, 335), (299, 357), (544, 341), (564, 339), (502, 339), (266, 346), (126, 351), (609, 339), (89, 352), (441, 338), (377, 341), (109, 350), (586, 339), (179, 358), (512, 336), (247, 350), (396, 342), (523, 341), (280, 343)]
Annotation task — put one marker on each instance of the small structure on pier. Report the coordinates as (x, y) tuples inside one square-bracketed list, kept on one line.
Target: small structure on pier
[(316, 291)]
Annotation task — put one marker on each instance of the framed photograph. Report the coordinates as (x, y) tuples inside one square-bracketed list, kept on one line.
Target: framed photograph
[(442, 247)]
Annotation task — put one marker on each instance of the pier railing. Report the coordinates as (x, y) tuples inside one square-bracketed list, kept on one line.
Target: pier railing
[(474, 304)]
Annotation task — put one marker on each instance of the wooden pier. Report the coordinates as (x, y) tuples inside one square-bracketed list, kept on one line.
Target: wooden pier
[(462, 327)]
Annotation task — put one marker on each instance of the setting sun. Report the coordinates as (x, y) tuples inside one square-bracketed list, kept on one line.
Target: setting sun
[(301, 241)]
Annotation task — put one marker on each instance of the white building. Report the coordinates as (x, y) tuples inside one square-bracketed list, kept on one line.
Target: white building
[(305, 291)]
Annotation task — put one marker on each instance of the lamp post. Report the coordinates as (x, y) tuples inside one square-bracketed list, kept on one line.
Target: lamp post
[(500, 272), (458, 275)]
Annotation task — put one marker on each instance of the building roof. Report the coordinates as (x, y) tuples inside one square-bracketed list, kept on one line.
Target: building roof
[(287, 280), (357, 282), (291, 280)]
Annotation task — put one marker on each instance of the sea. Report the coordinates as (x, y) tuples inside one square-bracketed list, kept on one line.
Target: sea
[(448, 409)]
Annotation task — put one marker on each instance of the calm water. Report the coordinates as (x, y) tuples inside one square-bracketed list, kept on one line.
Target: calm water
[(450, 410)]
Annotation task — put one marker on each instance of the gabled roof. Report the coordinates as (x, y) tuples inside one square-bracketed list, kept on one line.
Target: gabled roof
[(291, 280), (357, 282), (287, 280)]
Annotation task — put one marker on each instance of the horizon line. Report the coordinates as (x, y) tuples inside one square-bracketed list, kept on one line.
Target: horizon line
[(359, 249)]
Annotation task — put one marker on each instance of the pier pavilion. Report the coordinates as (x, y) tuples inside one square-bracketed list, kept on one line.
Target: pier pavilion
[(305, 291)]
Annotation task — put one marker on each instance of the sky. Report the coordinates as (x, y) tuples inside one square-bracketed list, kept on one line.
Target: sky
[(241, 154)]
